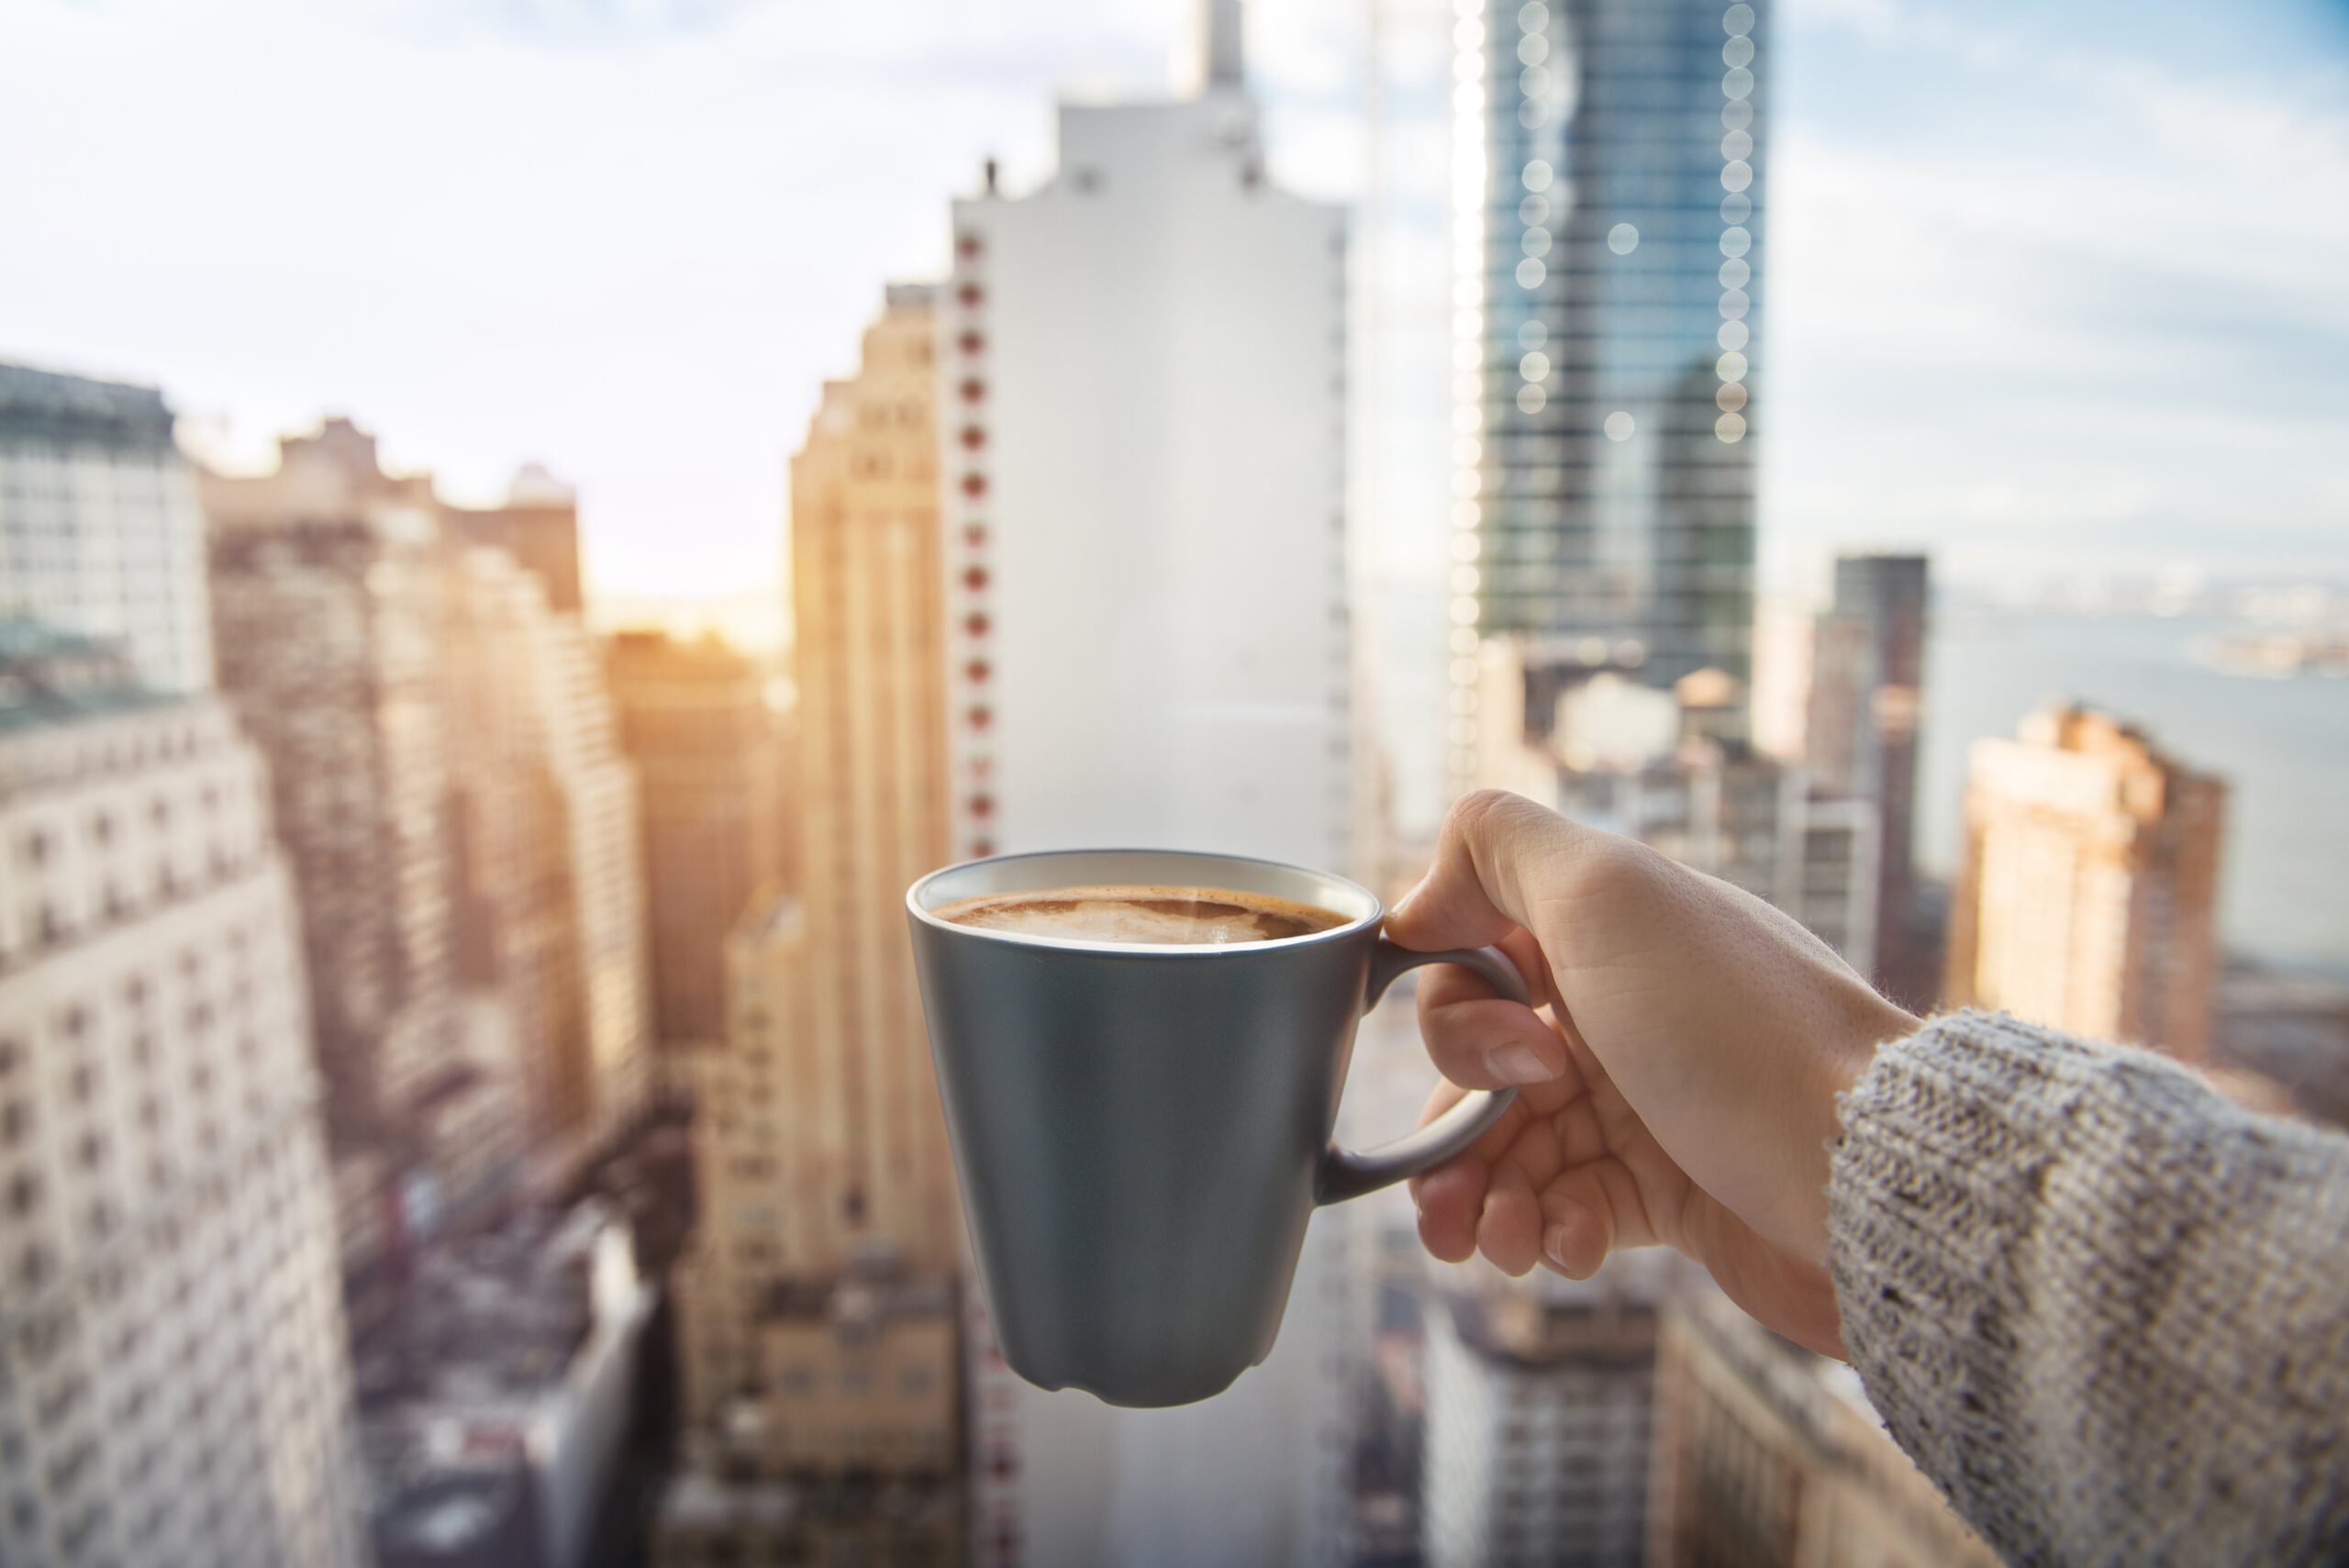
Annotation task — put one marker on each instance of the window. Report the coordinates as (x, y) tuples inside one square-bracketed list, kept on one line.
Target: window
[(33, 1267)]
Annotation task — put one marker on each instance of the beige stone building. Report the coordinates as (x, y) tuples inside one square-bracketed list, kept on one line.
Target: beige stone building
[(1767, 1456), (2087, 899), (872, 791), (816, 1305), (459, 814), (326, 603), (857, 1374), (174, 1381)]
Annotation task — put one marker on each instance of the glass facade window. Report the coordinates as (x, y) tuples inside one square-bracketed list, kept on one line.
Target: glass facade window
[(1609, 166)]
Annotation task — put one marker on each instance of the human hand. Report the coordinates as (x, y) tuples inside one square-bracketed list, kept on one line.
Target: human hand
[(1678, 1083)]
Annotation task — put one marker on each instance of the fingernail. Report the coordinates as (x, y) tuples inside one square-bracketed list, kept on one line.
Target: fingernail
[(1554, 1242), (1516, 1064)]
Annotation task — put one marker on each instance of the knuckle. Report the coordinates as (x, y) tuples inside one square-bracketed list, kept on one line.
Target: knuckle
[(1482, 814), (1616, 869)]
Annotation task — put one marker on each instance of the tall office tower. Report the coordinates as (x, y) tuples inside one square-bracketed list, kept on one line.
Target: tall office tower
[(2087, 900), (1767, 1456), (552, 911), (1538, 1400), (827, 1188), (1867, 678), (1143, 396), (174, 1384), (872, 786), (100, 531), (1607, 200), (708, 754), (328, 610)]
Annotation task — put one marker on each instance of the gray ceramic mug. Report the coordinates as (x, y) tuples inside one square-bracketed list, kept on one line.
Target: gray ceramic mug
[(1141, 1132)]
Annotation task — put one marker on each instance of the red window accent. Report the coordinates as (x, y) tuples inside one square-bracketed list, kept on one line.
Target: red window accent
[(975, 534), (978, 670), (973, 389), (975, 625), (975, 485), (979, 716), (974, 578), (970, 295), (973, 438), (971, 342), (968, 245), (982, 806), (982, 848)]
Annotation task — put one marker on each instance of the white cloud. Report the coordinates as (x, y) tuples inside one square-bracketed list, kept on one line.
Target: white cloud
[(2069, 306)]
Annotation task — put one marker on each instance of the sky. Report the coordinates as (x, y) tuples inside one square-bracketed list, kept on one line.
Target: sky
[(2048, 290)]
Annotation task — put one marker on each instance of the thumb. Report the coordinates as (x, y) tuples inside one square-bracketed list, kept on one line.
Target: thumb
[(1497, 853)]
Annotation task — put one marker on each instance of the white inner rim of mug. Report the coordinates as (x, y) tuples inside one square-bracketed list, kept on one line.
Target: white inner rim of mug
[(1047, 870)]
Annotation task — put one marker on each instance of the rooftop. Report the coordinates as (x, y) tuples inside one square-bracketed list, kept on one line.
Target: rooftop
[(490, 1321), (52, 405), (51, 676)]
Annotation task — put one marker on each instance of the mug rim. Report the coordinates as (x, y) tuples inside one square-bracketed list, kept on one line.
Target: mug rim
[(1374, 919)]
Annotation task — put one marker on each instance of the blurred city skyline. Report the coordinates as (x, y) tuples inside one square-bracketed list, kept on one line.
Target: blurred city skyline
[(456, 1018), (593, 234)]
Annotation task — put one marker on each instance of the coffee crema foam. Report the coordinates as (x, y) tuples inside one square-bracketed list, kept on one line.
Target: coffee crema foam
[(1159, 916)]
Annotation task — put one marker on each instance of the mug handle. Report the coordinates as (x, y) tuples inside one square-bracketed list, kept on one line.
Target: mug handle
[(1345, 1173)]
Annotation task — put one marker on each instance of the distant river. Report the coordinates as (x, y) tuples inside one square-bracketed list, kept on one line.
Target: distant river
[(2282, 745)]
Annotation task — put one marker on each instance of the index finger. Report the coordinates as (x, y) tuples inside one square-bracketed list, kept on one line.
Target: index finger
[(1482, 1042)]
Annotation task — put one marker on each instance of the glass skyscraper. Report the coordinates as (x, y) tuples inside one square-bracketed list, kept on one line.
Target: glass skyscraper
[(1608, 180)]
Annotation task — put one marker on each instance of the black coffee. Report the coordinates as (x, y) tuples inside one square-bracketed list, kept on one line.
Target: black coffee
[(1164, 917)]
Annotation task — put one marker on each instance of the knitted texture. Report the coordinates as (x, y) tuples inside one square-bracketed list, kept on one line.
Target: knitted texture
[(2104, 1309)]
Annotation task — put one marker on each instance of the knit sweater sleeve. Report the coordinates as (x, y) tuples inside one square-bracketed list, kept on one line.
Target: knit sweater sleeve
[(2103, 1308)]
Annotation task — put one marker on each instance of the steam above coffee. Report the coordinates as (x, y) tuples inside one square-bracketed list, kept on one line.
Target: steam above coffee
[(1162, 916)]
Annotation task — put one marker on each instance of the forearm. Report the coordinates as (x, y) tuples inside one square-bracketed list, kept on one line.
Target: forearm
[(2107, 1310)]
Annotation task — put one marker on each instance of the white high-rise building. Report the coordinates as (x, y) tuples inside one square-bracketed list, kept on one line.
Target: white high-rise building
[(1141, 380), (1537, 1417), (1141, 373), (100, 528), (174, 1381)]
